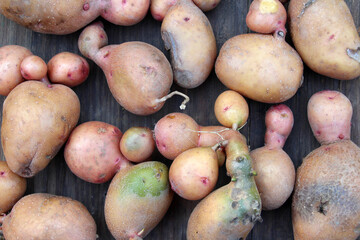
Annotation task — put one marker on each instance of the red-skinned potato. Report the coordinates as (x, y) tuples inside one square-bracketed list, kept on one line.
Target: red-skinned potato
[(272, 165), (68, 68), (11, 57), (12, 187), (266, 16), (137, 144), (92, 152), (261, 67), (138, 74), (137, 200), (231, 109), (327, 189), (44, 216), (206, 5), (188, 34), (37, 120), (64, 17), (325, 36), (33, 68)]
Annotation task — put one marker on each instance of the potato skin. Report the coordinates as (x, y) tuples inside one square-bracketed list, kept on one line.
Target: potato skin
[(11, 57), (44, 216), (261, 67), (322, 31), (188, 34), (12, 187), (37, 120), (52, 16), (137, 199), (326, 201), (92, 151)]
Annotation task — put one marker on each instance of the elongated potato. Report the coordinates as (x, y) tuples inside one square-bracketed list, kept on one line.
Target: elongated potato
[(188, 35), (326, 38), (261, 67)]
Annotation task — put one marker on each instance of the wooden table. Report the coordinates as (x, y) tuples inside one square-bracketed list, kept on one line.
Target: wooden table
[(97, 103)]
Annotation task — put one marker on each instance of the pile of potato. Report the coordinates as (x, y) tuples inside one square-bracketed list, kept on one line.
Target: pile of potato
[(93, 149)]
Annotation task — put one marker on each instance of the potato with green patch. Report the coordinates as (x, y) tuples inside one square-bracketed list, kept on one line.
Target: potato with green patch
[(137, 200)]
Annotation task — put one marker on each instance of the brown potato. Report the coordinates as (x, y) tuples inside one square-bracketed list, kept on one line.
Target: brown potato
[(188, 34), (11, 57), (37, 120), (325, 36), (12, 187), (44, 216), (261, 67), (92, 151)]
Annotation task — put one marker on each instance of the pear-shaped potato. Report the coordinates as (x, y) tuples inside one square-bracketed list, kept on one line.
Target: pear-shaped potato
[(137, 199), (261, 67), (44, 216), (325, 36), (37, 120)]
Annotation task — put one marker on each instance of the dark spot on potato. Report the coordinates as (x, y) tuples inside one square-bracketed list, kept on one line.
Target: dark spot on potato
[(226, 108), (170, 116), (341, 136), (102, 176), (2, 173), (63, 118), (318, 133), (234, 220), (235, 205), (26, 172), (323, 206), (123, 1), (331, 37), (204, 180), (186, 19)]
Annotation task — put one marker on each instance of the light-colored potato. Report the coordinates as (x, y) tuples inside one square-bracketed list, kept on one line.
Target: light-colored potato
[(206, 5), (137, 200), (188, 34), (33, 68), (194, 173), (324, 34), (44, 216), (261, 67), (11, 57), (159, 8), (37, 120), (12, 187), (68, 68), (92, 151)]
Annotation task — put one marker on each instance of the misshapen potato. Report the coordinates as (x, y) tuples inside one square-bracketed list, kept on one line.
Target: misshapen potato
[(137, 200), (188, 35), (37, 120), (44, 216), (261, 67), (67, 16), (326, 38), (11, 57)]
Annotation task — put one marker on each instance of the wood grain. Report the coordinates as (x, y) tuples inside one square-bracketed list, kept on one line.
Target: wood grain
[(97, 103)]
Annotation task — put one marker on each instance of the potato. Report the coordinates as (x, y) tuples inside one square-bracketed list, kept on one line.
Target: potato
[(231, 109), (188, 34), (137, 144), (137, 200), (68, 16), (261, 67), (327, 189), (194, 173), (266, 16), (44, 216), (92, 152), (37, 120), (11, 57), (138, 74), (33, 68), (12, 187), (206, 5), (325, 36), (68, 68)]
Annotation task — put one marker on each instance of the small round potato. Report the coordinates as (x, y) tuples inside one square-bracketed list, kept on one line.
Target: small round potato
[(33, 68), (261, 67), (12, 187), (44, 216), (11, 57)]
